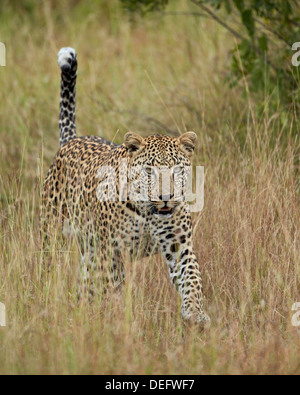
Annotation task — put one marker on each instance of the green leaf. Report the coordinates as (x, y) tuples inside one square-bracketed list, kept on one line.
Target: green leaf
[(215, 3), (263, 43), (248, 21), (244, 47), (239, 5), (287, 9)]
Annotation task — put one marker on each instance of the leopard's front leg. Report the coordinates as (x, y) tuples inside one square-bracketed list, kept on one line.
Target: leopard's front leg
[(176, 246), (187, 278)]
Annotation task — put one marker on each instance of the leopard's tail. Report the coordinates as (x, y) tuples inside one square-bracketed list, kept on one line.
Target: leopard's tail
[(67, 60)]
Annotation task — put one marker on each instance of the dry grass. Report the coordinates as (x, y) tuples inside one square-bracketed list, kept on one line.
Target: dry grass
[(247, 237)]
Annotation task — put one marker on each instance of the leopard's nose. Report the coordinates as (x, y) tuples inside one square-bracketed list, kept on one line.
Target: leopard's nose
[(166, 198)]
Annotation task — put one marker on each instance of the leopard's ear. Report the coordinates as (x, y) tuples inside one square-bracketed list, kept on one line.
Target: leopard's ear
[(133, 142), (187, 143)]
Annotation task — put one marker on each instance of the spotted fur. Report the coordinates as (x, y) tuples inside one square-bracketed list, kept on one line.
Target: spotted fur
[(110, 230)]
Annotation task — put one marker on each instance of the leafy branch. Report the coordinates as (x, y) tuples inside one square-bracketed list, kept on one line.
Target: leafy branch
[(265, 31)]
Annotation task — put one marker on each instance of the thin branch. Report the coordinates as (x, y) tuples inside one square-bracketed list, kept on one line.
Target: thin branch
[(279, 12), (276, 34), (268, 28), (217, 19), (231, 30), (197, 14), (276, 19)]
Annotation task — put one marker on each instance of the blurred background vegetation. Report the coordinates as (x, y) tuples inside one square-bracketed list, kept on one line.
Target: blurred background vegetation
[(257, 36), (265, 31)]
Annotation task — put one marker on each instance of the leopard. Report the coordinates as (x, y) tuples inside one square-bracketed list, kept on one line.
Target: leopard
[(110, 224)]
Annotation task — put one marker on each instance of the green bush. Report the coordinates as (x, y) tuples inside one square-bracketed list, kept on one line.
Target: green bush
[(265, 31)]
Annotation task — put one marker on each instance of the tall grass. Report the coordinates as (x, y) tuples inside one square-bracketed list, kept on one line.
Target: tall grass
[(164, 73)]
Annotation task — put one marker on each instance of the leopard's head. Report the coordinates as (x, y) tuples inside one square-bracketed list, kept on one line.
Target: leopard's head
[(157, 171)]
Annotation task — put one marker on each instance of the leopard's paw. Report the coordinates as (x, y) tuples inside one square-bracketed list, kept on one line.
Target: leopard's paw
[(198, 318)]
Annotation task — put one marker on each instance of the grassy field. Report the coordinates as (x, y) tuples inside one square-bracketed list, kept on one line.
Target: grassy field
[(153, 75)]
